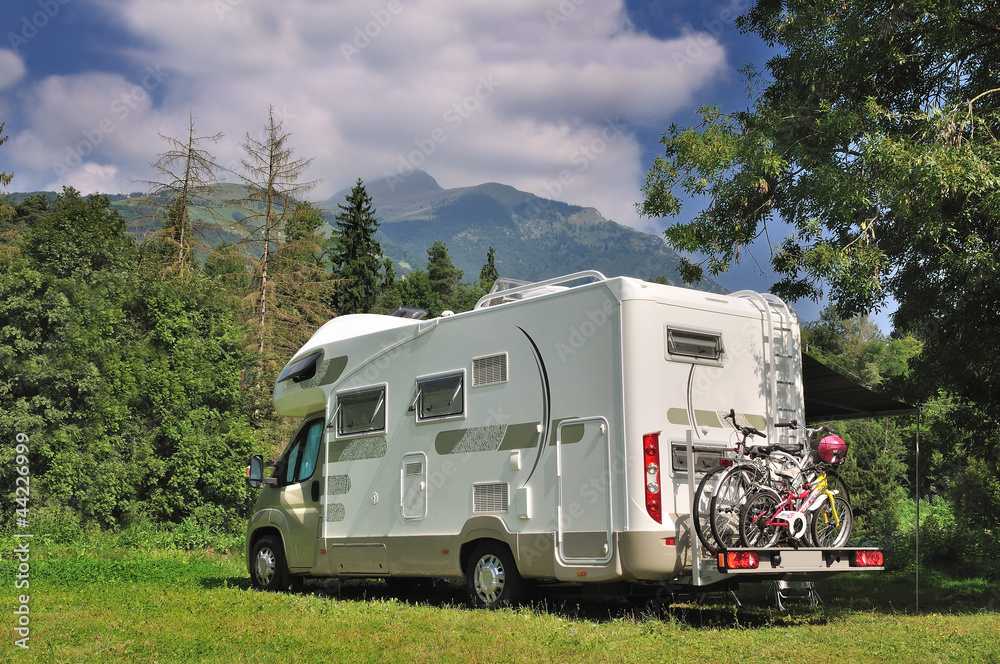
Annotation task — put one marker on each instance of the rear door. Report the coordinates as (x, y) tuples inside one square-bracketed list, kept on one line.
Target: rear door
[(583, 466)]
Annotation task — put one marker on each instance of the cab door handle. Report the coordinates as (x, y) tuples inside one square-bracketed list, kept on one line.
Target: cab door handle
[(314, 491)]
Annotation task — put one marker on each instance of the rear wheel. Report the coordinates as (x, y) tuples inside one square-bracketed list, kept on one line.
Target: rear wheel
[(492, 578), (268, 569), (755, 531), (829, 529), (702, 512), (728, 497)]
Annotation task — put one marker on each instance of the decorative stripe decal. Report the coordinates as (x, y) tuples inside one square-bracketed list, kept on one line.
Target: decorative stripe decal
[(338, 485), (546, 403), (474, 439), (335, 512), (356, 449)]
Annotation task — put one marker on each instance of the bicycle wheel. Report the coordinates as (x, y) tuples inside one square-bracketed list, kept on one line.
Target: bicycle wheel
[(755, 531), (703, 501), (831, 525), (731, 492), (836, 483)]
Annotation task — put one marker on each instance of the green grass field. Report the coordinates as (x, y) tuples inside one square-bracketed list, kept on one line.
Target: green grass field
[(171, 606)]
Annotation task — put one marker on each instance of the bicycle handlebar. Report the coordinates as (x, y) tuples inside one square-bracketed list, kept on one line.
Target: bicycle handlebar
[(746, 431)]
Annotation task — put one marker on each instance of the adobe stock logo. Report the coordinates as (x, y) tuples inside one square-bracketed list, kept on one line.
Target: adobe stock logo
[(453, 118), (120, 109), (381, 18), (30, 25)]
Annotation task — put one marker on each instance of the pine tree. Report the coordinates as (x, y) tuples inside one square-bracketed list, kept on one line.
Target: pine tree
[(488, 275), (444, 276), (356, 255)]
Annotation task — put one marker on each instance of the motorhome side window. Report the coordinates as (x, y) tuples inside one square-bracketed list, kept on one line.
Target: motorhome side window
[(441, 396), (361, 412), (299, 461), (689, 343)]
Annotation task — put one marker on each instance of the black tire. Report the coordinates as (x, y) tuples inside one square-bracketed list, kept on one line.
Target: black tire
[(702, 511), (268, 570), (728, 498), (757, 511), (492, 579), (836, 483), (828, 531)]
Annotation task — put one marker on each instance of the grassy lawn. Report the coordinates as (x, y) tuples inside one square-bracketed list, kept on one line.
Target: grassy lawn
[(170, 606)]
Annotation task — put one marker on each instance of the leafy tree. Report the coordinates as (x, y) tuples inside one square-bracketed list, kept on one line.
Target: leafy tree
[(190, 346), (66, 373), (356, 254), (872, 137), (416, 290), (188, 176), (272, 178), (79, 238), (126, 380)]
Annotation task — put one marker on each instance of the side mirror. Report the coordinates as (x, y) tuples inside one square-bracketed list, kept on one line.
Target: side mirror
[(255, 473)]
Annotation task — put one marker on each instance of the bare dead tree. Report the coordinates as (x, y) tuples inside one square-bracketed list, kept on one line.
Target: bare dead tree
[(184, 191), (272, 182)]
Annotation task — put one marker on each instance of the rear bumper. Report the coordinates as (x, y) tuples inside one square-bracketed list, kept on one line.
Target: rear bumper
[(794, 561), (802, 564)]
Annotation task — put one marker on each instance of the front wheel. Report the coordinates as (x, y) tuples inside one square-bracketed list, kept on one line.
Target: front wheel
[(268, 570), (492, 578), (831, 525)]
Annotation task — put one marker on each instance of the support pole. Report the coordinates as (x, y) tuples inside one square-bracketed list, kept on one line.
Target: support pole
[(692, 535), (916, 473)]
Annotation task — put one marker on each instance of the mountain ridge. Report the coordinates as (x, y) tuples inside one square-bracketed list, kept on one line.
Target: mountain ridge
[(534, 238)]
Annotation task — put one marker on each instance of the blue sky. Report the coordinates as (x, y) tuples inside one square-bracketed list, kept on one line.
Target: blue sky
[(563, 98)]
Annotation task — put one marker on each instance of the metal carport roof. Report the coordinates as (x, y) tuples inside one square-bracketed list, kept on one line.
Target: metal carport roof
[(832, 396)]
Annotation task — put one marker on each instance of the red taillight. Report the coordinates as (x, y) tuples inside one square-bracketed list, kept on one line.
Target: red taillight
[(726, 462), (868, 559), (739, 560), (651, 475)]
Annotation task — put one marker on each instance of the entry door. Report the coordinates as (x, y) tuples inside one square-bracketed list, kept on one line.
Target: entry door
[(413, 486), (583, 465), (299, 487)]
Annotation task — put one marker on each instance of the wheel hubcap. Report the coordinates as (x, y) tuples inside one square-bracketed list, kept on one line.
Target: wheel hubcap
[(489, 579), (265, 566)]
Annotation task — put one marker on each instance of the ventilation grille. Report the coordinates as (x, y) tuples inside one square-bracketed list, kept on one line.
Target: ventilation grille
[(489, 370), (490, 497), (414, 468)]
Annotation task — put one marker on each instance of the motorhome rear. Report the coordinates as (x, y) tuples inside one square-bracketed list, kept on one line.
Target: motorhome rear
[(541, 435)]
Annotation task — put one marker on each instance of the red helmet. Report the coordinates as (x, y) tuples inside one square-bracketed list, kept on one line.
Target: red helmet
[(832, 449)]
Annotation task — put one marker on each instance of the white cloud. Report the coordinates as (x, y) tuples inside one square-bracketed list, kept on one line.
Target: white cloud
[(519, 92), (11, 68)]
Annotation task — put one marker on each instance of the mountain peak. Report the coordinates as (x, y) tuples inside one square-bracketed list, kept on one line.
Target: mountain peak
[(392, 188)]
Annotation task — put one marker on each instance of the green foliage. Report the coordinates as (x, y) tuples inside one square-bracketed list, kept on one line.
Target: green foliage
[(416, 291), (127, 382), (872, 138)]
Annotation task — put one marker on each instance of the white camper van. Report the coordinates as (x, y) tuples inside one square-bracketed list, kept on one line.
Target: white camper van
[(549, 433)]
